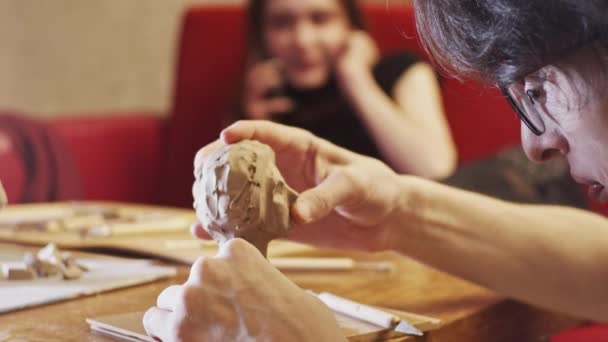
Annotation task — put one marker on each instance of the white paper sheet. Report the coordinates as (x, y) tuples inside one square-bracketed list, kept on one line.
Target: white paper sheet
[(104, 274)]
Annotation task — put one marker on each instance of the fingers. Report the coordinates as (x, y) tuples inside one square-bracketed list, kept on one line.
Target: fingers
[(197, 230), (155, 323), (262, 97), (197, 270), (339, 188), (279, 105), (214, 271), (167, 299), (279, 137), (285, 139), (262, 77), (237, 248), (210, 272)]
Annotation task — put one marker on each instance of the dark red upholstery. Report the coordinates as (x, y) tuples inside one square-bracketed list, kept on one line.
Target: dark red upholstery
[(118, 157), (587, 333), (210, 66), (12, 174)]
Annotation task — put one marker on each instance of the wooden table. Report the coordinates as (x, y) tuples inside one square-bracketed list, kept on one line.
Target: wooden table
[(470, 313)]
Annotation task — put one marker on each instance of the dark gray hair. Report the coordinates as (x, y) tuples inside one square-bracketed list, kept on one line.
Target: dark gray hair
[(502, 41)]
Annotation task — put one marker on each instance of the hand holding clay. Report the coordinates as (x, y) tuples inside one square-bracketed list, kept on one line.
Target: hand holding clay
[(345, 200), (240, 193)]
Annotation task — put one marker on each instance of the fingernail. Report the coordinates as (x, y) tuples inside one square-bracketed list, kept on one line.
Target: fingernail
[(304, 212), (223, 134)]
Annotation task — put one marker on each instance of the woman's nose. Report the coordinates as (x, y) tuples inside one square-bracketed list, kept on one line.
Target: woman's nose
[(304, 35), (541, 148)]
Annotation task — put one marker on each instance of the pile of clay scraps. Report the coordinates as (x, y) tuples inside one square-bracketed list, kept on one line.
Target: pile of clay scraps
[(48, 262)]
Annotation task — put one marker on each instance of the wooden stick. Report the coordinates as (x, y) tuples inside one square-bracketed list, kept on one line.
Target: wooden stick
[(168, 225), (190, 244), (315, 264)]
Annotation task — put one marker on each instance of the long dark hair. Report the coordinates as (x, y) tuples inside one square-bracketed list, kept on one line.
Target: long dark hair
[(255, 23), (502, 41)]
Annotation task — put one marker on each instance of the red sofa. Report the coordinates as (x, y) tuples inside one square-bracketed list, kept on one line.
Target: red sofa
[(138, 157), (117, 157), (210, 66)]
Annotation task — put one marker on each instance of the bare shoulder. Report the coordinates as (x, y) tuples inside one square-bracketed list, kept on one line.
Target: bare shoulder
[(419, 72)]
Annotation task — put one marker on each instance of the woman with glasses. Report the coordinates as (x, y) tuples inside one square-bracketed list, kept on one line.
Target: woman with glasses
[(551, 60)]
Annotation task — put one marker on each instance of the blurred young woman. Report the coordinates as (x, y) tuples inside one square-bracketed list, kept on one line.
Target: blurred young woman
[(314, 66)]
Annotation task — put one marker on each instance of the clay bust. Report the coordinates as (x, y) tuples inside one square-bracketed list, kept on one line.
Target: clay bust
[(3, 199), (239, 192)]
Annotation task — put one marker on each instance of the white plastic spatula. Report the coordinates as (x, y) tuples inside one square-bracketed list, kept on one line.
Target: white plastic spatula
[(367, 313)]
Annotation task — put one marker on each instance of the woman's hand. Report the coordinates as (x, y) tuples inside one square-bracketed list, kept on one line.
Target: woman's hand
[(359, 54), (262, 79), (346, 200), (239, 296)]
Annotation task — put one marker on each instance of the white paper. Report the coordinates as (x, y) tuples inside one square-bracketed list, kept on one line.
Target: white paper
[(103, 275)]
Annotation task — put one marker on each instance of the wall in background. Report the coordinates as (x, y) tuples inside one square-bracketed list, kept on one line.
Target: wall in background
[(72, 56)]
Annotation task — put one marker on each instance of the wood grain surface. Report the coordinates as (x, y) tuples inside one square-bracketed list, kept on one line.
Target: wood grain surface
[(469, 312)]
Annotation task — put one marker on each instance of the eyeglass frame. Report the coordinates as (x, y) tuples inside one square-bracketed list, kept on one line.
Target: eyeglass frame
[(521, 113)]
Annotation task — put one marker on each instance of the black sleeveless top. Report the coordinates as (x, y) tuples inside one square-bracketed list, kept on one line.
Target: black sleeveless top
[(326, 112)]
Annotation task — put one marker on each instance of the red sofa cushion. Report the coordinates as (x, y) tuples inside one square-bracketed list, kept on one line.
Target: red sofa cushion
[(118, 157), (12, 170), (586, 333), (210, 65)]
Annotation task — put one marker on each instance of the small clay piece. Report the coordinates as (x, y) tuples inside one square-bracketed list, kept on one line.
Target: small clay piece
[(50, 254), (71, 271), (3, 199), (51, 261), (69, 262), (18, 273), (240, 193), (42, 268), (48, 262)]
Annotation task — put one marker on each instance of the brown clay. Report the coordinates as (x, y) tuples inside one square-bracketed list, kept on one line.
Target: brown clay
[(240, 193)]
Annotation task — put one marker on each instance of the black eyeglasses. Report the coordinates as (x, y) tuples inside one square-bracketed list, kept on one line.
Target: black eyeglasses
[(524, 104)]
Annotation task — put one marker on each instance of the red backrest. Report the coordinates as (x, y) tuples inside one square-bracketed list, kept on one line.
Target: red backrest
[(209, 69), (117, 159), (210, 66), (12, 172)]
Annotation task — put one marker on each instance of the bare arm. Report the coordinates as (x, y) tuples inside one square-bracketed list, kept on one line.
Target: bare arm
[(550, 256), (411, 130)]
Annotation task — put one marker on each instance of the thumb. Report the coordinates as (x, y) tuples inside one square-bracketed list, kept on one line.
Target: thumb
[(314, 204), (197, 230)]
